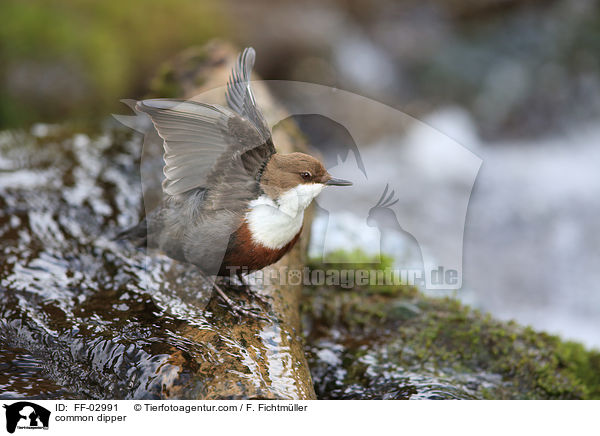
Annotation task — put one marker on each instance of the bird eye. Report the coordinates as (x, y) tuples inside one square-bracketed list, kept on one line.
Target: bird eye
[(305, 175)]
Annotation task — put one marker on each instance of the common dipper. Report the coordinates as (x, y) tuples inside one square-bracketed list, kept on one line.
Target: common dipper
[(230, 201)]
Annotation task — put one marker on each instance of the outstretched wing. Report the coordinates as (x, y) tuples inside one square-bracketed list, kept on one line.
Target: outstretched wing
[(206, 146), (221, 150), (240, 97)]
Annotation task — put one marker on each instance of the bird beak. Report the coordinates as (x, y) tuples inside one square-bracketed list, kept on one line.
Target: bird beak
[(338, 182)]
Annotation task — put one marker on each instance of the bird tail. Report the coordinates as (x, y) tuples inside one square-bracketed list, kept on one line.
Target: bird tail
[(137, 234)]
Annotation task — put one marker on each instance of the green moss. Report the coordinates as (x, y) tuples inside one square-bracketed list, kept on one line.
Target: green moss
[(358, 260), (582, 363), (463, 339)]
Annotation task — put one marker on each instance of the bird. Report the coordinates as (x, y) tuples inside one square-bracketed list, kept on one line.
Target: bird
[(230, 200)]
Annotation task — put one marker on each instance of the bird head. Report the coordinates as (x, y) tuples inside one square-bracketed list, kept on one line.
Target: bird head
[(297, 174)]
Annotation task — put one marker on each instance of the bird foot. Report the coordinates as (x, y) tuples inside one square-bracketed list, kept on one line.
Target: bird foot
[(237, 308), (249, 291)]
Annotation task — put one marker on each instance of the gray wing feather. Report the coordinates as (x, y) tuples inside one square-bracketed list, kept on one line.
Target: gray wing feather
[(205, 146), (239, 95), (195, 136), (210, 146)]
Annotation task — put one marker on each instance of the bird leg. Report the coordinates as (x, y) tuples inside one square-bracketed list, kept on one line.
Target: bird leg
[(236, 308)]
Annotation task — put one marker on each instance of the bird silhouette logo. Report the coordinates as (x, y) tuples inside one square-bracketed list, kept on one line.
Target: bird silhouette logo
[(385, 219)]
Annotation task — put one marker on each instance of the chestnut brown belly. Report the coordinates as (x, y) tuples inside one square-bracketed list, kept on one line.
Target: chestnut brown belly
[(243, 252)]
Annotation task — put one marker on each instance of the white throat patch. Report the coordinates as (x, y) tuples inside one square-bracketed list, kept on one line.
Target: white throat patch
[(274, 224)]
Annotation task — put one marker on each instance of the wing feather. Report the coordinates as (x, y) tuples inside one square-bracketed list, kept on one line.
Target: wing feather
[(221, 150), (194, 135), (240, 96), (209, 147)]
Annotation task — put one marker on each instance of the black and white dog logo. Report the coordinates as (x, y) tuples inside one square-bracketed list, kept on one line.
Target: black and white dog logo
[(26, 415)]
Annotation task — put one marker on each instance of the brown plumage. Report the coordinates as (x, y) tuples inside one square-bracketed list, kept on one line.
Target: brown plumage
[(243, 251)]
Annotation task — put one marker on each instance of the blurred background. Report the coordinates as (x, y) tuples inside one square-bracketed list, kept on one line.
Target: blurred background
[(516, 82)]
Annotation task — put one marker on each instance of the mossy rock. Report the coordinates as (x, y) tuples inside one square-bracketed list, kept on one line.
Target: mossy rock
[(363, 343)]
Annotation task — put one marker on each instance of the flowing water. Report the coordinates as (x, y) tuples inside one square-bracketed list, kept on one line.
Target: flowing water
[(76, 318)]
